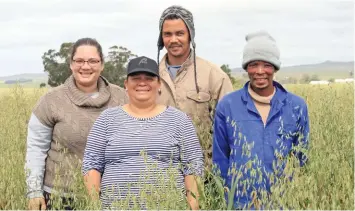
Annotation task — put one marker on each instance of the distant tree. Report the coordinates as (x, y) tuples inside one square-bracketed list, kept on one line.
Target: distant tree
[(314, 77), (115, 66), (331, 80), (42, 85), (56, 64), (226, 69), (351, 73), (305, 79)]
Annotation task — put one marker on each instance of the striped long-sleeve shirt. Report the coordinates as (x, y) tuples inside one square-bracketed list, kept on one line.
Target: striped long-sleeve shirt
[(122, 147)]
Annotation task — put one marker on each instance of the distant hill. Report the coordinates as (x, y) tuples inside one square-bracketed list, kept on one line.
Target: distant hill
[(25, 80), (27, 76), (324, 70)]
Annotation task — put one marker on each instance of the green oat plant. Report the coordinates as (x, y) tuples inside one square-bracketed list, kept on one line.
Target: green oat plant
[(326, 182)]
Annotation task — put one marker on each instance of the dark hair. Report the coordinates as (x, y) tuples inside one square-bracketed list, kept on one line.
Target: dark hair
[(87, 41)]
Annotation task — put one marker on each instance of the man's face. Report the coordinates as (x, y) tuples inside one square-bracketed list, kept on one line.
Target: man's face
[(176, 38), (261, 74)]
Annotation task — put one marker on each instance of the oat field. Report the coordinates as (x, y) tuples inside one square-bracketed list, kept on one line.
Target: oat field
[(326, 182)]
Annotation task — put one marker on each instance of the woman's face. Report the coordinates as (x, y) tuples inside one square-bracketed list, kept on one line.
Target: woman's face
[(142, 87), (86, 65)]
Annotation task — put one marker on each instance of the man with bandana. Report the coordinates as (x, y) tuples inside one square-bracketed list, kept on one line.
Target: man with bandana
[(189, 83)]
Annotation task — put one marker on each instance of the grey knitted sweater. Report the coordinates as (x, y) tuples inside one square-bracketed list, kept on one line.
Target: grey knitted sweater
[(58, 130)]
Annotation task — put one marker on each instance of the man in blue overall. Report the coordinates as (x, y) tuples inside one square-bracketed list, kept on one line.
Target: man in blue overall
[(258, 128)]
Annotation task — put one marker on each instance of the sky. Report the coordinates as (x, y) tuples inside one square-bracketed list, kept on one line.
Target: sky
[(306, 32)]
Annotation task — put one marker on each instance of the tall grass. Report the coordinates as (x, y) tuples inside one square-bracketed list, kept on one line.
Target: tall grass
[(326, 182)]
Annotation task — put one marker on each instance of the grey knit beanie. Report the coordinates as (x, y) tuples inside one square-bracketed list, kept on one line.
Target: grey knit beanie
[(185, 15), (261, 46)]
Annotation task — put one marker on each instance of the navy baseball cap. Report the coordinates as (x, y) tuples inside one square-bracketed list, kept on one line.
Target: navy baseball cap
[(142, 64)]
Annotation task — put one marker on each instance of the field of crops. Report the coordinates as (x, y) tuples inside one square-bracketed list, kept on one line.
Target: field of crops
[(326, 182)]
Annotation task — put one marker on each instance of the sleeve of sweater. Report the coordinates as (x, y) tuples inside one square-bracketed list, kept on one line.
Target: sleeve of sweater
[(39, 137)]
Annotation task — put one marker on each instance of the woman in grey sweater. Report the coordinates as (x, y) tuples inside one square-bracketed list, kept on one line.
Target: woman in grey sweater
[(113, 155), (60, 123)]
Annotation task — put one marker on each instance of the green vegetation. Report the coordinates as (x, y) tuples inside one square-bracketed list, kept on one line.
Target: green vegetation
[(326, 182)]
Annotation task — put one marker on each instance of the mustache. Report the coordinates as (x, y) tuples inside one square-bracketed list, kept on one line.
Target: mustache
[(174, 45)]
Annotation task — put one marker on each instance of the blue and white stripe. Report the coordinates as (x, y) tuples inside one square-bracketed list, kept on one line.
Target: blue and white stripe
[(117, 142)]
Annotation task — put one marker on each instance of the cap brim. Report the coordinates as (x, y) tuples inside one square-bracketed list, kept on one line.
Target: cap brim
[(143, 70)]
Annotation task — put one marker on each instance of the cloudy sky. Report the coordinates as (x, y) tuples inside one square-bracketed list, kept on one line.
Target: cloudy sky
[(307, 32)]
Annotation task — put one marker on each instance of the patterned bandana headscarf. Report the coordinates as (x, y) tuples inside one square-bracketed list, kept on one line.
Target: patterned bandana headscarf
[(187, 17)]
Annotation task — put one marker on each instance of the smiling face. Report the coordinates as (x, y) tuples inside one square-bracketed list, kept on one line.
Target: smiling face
[(142, 88), (261, 75), (86, 65), (176, 38)]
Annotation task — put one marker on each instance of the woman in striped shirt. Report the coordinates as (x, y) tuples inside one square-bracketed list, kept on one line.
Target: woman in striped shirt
[(113, 155)]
